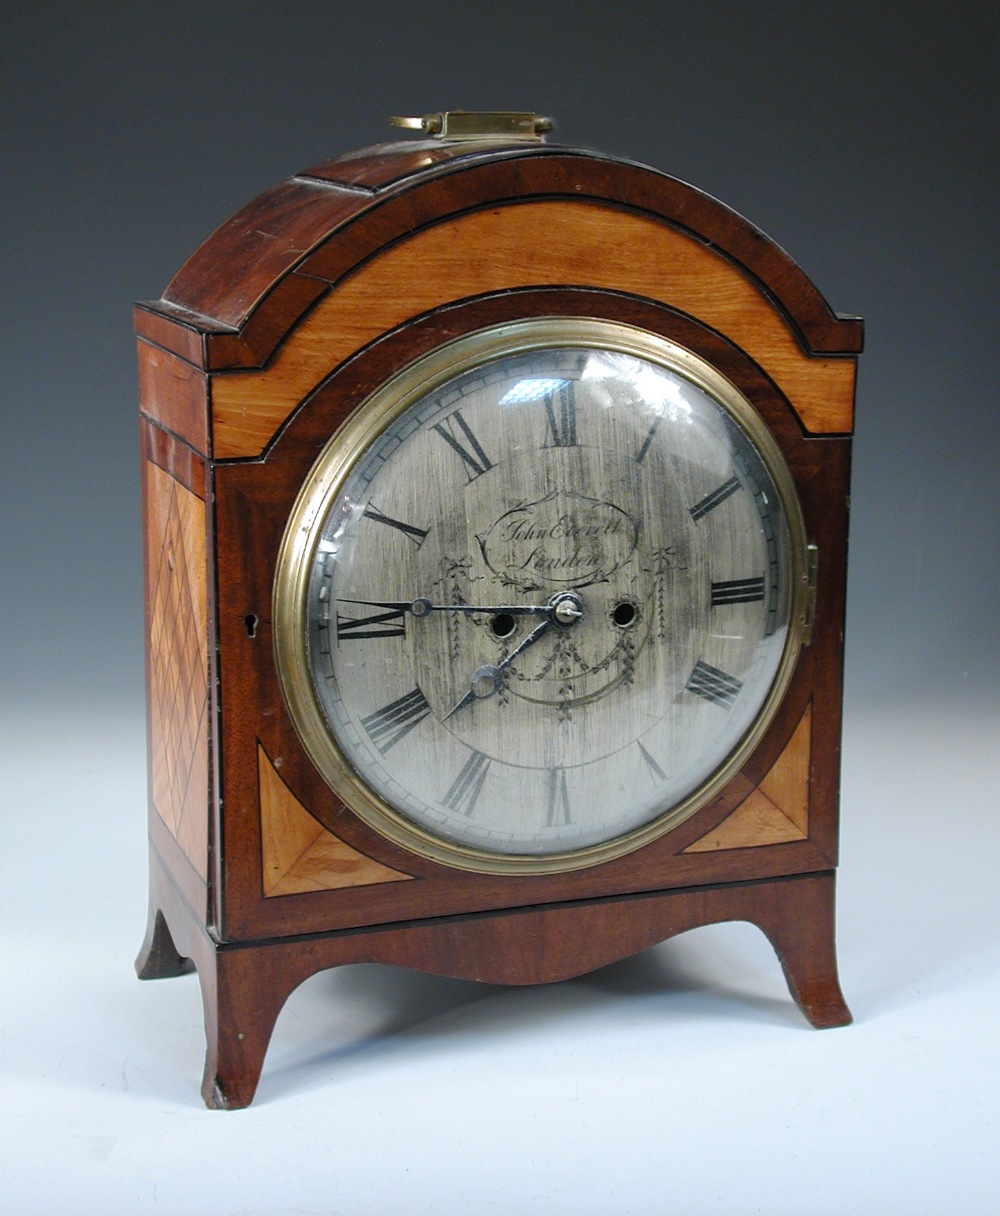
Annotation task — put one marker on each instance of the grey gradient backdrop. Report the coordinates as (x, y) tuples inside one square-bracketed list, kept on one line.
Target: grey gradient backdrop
[(861, 137)]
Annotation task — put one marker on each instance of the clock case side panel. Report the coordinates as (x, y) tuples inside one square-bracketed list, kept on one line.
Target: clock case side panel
[(253, 502), (181, 684)]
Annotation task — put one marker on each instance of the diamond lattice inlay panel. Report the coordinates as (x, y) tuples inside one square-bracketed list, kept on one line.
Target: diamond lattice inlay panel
[(178, 661)]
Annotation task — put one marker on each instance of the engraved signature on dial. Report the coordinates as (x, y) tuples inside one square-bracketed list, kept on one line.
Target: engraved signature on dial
[(564, 539)]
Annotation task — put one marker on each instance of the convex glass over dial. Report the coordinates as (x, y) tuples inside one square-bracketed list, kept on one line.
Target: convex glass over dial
[(540, 595)]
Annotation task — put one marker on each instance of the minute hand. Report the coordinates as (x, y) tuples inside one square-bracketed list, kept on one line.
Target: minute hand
[(423, 607)]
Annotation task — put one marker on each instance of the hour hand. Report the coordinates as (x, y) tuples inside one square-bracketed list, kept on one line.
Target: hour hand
[(530, 640), (486, 680), (484, 683)]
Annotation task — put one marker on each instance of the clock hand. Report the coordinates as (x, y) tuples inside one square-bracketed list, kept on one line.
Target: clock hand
[(422, 606), (485, 680), (563, 607), (530, 640)]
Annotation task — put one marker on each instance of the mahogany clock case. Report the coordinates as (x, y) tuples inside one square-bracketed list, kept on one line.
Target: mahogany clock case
[(289, 317)]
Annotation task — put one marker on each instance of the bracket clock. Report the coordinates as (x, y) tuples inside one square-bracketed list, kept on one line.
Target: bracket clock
[(495, 500)]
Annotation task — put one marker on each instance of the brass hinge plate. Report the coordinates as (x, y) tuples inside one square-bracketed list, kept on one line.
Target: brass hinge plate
[(809, 614)]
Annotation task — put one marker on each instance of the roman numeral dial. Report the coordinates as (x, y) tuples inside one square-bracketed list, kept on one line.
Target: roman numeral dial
[(410, 531), (738, 591), (393, 722), (464, 791), (390, 623), (560, 408), (547, 602), (713, 684), (715, 499), (460, 437), (654, 770), (556, 798), (647, 443)]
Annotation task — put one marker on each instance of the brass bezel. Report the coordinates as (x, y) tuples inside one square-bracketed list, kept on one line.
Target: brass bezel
[(331, 470)]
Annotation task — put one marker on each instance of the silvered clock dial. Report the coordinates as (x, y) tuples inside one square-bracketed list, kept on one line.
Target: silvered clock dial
[(540, 595)]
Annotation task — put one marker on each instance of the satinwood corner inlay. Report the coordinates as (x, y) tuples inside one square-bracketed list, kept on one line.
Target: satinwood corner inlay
[(299, 854), (777, 811)]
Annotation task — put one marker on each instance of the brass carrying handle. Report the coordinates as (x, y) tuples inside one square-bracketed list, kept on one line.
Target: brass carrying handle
[(477, 124)]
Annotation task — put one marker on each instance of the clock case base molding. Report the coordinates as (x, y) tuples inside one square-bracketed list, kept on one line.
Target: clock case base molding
[(245, 985), (281, 324)]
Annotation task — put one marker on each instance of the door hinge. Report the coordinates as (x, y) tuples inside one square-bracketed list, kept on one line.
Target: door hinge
[(809, 611)]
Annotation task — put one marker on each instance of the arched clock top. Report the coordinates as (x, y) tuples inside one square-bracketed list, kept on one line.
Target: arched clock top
[(295, 240)]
